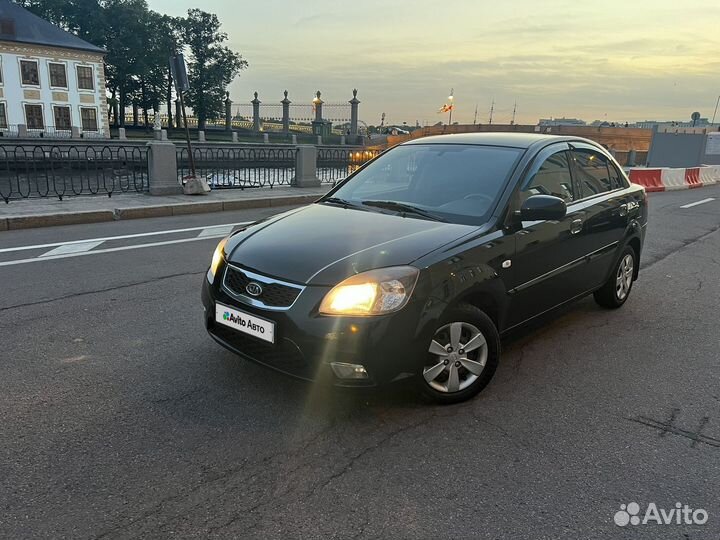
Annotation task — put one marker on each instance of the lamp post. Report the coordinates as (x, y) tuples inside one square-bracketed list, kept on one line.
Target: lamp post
[(451, 97)]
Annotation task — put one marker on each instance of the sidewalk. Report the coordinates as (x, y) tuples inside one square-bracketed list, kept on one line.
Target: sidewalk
[(48, 212)]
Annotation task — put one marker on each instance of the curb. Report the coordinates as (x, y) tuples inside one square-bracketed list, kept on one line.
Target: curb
[(140, 212)]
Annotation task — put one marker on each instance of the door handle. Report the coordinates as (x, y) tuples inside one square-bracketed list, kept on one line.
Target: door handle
[(576, 226)]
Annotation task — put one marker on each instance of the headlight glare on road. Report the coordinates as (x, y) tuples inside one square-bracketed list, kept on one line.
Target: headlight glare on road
[(371, 293), (216, 260)]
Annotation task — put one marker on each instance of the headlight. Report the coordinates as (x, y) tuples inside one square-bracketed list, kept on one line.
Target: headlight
[(371, 293), (216, 259)]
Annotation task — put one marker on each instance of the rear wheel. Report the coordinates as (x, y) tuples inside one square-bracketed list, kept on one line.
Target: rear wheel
[(617, 288), (462, 356)]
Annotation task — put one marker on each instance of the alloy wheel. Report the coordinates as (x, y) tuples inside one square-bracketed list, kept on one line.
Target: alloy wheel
[(459, 354), (624, 277)]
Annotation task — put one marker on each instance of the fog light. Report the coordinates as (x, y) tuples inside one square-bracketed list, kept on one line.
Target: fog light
[(349, 371)]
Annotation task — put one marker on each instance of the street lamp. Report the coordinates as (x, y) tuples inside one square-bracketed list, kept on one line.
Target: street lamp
[(451, 97)]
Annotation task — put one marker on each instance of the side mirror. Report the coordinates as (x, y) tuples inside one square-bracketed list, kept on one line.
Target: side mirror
[(543, 207)]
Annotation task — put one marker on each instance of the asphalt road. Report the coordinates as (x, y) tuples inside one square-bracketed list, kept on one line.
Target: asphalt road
[(121, 418)]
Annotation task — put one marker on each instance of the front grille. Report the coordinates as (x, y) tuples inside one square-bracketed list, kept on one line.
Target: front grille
[(273, 294), (284, 356)]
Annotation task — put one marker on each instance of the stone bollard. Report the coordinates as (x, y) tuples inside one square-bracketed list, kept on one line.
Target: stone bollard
[(234, 137), (293, 139), (266, 138), (201, 136), (22, 131), (306, 167), (121, 134), (632, 156), (342, 139), (162, 168), (319, 140), (75, 132)]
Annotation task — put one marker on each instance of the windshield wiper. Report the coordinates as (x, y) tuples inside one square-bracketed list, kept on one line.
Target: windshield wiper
[(403, 208), (341, 202)]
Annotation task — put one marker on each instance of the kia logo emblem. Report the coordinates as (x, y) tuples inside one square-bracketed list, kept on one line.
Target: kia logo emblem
[(253, 289)]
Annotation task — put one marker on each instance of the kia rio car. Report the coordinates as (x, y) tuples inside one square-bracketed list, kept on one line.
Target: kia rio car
[(416, 263)]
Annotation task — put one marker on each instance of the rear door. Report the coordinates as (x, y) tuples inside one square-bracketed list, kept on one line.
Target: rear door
[(548, 265), (604, 205)]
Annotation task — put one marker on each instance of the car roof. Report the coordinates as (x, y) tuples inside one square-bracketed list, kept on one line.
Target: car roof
[(514, 140)]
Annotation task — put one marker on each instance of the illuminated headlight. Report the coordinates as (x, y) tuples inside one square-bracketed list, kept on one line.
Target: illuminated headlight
[(371, 293), (216, 260)]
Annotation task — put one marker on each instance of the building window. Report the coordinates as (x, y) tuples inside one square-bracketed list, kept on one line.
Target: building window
[(3, 117), (29, 72), (58, 75), (34, 117), (85, 78), (89, 119), (62, 118)]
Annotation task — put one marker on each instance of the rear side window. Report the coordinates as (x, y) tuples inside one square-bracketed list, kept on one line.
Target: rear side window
[(551, 178), (593, 172), (616, 179)]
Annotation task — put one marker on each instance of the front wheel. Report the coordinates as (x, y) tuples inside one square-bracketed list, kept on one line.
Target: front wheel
[(462, 356), (617, 288)]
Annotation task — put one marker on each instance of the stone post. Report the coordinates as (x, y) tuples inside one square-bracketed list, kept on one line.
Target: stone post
[(286, 113), (201, 135), (178, 115), (75, 132), (163, 135), (228, 112), (306, 167), (354, 102), (22, 131), (293, 139), (266, 138), (234, 137), (256, 113), (318, 107), (319, 140), (121, 134), (162, 168), (342, 139), (632, 156)]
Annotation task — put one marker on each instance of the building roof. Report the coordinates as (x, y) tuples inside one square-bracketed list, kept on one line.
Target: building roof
[(19, 25)]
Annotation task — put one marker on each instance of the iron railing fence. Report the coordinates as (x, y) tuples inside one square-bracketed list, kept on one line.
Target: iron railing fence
[(336, 163), (246, 167), (29, 171)]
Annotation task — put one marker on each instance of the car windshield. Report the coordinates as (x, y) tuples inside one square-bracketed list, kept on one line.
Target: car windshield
[(450, 182)]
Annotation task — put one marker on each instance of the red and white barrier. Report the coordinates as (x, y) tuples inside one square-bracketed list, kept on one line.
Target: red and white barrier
[(666, 179)]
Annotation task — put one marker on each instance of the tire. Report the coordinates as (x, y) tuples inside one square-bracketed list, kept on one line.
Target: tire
[(616, 290), (444, 376)]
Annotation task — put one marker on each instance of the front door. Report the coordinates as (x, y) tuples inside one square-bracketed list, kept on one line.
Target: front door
[(548, 266)]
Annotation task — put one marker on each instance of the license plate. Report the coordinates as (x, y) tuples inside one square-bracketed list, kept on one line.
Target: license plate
[(246, 323)]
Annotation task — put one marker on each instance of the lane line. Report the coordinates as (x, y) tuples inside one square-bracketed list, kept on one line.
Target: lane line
[(122, 237), (72, 248), (216, 231), (108, 250), (709, 199)]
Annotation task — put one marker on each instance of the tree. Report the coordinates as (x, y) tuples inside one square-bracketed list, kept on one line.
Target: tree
[(212, 66)]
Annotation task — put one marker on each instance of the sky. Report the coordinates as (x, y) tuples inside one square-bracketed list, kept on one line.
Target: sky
[(620, 60)]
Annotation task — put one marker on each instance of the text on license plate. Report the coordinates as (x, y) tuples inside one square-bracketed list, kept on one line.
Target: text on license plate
[(246, 323)]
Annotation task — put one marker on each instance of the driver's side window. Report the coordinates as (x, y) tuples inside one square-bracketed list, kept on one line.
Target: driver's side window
[(552, 177)]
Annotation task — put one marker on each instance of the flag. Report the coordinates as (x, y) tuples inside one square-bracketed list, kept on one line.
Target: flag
[(446, 108)]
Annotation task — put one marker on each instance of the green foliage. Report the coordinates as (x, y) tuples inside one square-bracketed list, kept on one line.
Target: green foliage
[(212, 66)]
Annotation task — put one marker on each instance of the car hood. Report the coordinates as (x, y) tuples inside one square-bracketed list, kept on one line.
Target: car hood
[(322, 244)]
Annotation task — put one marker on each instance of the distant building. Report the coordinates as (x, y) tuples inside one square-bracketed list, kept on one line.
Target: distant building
[(50, 80), (667, 124), (547, 122)]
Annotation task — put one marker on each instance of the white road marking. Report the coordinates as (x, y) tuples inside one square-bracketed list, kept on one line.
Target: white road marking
[(107, 250), (709, 199), (123, 237), (217, 230), (72, 248)]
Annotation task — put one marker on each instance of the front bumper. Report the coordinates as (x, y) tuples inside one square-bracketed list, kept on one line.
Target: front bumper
[(388, 346)]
